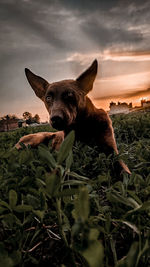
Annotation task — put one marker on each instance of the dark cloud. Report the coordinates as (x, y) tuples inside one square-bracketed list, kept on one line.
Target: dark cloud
[(85, 6), (138, 93), (29, 16), (113, 22), (90, 6), (106, 37)]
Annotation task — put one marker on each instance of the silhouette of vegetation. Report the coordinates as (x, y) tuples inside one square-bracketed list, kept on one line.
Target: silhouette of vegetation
[(65, 209)]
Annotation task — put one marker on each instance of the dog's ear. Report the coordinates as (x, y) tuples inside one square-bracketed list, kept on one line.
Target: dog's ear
[(38, 84), (86, 79)]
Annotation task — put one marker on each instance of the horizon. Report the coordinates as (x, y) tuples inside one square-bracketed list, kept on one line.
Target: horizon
[(59, 39), (46, 116)]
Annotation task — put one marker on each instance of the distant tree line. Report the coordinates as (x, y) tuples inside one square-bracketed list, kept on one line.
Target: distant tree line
[(27, 117)]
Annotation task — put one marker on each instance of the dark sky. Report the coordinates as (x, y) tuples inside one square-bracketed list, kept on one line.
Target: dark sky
[(59, 39)]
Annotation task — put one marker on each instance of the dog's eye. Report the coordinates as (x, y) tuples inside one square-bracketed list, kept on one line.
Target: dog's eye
[(49, 98), (68, 95)]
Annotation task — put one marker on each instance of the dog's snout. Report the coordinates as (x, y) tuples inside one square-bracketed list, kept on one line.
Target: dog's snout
[(57, 122), (56, 119)]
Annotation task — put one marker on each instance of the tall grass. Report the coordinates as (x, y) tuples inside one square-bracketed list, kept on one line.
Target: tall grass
[(66, 209)]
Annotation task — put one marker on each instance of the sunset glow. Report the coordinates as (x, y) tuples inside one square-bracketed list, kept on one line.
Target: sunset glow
[(60, 39)]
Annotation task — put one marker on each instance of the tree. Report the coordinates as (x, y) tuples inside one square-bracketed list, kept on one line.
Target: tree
[(27, 115), (9, 117), (36, 118)]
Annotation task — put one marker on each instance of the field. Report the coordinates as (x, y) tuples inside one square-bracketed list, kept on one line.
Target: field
[(66, 209)]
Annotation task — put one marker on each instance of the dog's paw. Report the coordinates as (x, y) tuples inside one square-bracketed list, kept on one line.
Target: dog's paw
[(124, 168), (43, 137), (57, 139)]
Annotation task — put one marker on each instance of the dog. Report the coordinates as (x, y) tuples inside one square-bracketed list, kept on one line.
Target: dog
[(70, 108)]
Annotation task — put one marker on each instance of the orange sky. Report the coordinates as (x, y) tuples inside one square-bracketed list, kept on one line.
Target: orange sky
[(124, 88), (60, 39)]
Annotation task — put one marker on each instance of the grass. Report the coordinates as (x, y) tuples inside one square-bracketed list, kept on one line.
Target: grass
[(65, 208)]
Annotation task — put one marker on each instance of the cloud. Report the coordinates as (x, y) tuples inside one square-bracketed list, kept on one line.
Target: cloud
[(133, 56), (108, 36), (145, 92), (138, 93), (27, 17), (60, 38), (120, 24)]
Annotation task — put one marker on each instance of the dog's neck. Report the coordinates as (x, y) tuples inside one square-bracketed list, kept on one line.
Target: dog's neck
[(85, 122), (87, 111)]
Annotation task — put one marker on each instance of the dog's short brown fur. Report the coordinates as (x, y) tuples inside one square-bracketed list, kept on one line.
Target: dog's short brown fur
[(70, 109)]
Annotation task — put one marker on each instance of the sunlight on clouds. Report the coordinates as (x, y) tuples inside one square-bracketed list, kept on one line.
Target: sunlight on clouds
[(120, 85), (109, 55)]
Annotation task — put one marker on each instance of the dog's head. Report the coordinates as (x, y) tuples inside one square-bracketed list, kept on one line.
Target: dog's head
[(65, 98)]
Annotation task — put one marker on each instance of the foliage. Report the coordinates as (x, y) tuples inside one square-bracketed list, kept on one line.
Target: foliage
[(66, 209), (27, 116), (9, 117)]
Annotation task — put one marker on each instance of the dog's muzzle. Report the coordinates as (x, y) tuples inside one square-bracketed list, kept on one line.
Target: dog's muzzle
[(57, 122)]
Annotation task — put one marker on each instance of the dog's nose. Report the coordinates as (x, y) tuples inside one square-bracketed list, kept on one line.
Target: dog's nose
[(57, 122)]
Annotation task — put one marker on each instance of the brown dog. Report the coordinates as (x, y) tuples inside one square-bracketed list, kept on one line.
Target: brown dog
[(71, 109)]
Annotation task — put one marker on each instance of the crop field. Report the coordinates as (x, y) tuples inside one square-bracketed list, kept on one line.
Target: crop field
[(67, 209)]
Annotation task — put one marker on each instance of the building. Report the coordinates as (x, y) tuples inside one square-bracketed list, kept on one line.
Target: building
[(9, 124), (145, 103), (119, 108)]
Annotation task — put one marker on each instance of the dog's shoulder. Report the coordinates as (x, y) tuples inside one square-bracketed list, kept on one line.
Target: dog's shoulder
[(102, 116)]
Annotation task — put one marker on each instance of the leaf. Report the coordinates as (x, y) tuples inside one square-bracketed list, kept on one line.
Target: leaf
[(2, 210), (25, 156), (23, 208), (116, 197), (25, 181), (12, 198), (132, 226), (47, 157), (75, 175), (144, 249), (94, 254), (40, 182), (145, 206), (16, 256), (131, 258), (74, 182), (33, 201), (53, 182), (65, 147), (69, 160), (134, 196), (67, 192), (82, 205), (135, 203), (43, 204), (6, 261), (93, 234), (39, 213), (5, 204), (10, 220)]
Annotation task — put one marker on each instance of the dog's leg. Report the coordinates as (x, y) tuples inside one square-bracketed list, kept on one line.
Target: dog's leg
[(109, 146), (42, 137)]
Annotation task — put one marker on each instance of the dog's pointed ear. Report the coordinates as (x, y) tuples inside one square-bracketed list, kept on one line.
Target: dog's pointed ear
[(86, 79), (38, 84)]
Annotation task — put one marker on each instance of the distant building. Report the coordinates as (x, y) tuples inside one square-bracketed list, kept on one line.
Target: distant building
[(9, 124), (21, 123), (145, 103), (119, 108)]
